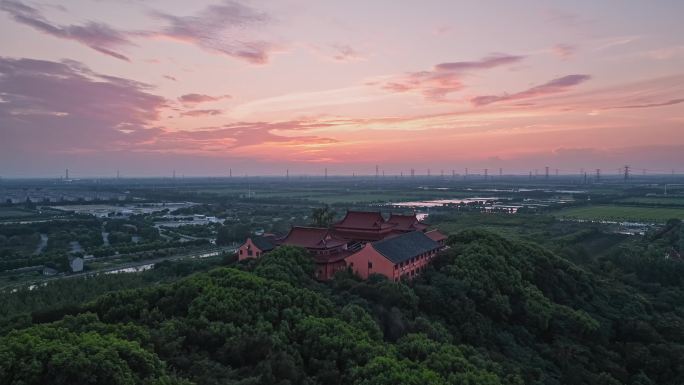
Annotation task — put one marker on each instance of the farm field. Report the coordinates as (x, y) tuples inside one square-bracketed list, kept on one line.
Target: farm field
[(622, 213)]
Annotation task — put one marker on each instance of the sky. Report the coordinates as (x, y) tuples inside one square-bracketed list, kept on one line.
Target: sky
[(261, 87)]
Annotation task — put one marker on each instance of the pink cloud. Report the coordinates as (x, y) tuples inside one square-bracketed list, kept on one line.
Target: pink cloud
[(97, 36), (74, 110), (650, 105), (554, 86), (69, 107), (445, 78), (345, 52), (564, 51), (484, 63), (201, 113), (215, 28), (191, 99)]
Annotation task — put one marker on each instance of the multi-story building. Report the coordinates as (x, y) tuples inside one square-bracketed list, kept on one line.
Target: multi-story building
[(397, 247)]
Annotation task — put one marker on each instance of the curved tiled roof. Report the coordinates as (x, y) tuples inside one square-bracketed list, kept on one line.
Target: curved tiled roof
[(436, 235), (264, 244), (311, 238), (405, 246), (405, 222), (362, 220)]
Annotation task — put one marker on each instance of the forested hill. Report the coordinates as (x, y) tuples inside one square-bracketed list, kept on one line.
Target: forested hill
[(489, 311)]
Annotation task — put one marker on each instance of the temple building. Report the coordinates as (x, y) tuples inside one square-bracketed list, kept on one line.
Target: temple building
[(398, 247), (400, 257), (363, 226), (255, 247), (327, 250)]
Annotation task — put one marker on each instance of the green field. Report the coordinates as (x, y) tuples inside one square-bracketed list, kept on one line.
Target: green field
[(658, 201), (11, 212), (619, 213), (338, 195)]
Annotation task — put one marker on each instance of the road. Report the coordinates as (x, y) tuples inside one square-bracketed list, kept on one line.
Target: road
[(196, 254)]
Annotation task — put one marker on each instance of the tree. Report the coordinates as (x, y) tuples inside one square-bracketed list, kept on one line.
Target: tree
[(322, 217)]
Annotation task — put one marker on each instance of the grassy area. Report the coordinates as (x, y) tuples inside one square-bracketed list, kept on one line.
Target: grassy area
[(664, 201), (619, 213), (12, 212), (344, 195)]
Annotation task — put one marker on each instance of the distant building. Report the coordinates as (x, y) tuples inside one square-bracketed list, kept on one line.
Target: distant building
[(76, 264), (400, 257), (49, 271)]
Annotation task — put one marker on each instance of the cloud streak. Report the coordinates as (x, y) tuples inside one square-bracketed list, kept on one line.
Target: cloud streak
[(651, 105), (195, 113), (445, 78), (221, 29), (98, 36), (554, 86), (227, 28), (192, 99)]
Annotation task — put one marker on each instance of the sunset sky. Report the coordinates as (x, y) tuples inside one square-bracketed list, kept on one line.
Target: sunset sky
[(264, 86)]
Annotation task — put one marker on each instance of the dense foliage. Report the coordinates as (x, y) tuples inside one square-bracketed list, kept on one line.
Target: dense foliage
[(490, 310)]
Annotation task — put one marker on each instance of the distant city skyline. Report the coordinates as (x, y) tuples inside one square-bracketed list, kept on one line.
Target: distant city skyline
[(263, 87)]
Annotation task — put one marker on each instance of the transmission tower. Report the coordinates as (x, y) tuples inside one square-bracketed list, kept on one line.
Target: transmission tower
[(626, 172)]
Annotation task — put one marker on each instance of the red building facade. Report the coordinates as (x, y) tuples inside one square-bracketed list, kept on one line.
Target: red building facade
[(254, 248), (400, 257)]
